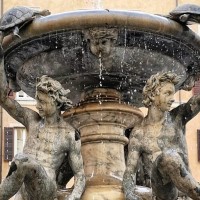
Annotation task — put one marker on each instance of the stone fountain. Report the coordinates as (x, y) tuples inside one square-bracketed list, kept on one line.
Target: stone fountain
[(104, 57)]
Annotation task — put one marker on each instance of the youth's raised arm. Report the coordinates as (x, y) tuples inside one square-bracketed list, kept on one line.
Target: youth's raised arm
[(187, 111), (18, 112)]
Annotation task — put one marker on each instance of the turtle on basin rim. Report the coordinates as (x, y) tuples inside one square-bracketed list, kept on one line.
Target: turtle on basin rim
[(16, 18), (186, 14)]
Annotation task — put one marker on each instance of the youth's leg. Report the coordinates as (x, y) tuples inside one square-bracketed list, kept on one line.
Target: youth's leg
[(170, 164), (162, 187), (26, 170), (14, 180)]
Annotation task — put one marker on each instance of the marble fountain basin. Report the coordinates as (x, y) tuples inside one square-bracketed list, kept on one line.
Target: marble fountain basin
[(100, 48)]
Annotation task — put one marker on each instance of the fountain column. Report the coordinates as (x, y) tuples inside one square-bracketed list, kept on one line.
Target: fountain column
[(102, 119)]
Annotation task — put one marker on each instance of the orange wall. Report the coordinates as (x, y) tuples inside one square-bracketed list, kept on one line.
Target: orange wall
[(151, 6)]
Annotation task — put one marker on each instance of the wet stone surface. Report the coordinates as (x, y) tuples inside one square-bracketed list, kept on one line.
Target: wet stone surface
[(130, 58)]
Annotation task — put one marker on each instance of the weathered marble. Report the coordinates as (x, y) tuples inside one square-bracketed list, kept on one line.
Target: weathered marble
[(51, 147), (133, 46), (102, 122), (160, 141)]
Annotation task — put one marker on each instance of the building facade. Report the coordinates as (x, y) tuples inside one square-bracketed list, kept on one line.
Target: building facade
[(12, 130)]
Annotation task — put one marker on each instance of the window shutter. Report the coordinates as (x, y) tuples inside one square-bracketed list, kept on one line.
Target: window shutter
[(8, 143), (196, 88)]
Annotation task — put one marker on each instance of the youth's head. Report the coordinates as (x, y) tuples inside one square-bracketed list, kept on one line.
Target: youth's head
[(159, 90), (51, 92)]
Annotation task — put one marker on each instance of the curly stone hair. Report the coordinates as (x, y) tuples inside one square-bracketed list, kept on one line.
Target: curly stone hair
[(55, 90), (154, 84)]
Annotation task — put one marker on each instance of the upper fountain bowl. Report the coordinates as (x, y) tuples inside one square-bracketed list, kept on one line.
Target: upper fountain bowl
[(101, 48)]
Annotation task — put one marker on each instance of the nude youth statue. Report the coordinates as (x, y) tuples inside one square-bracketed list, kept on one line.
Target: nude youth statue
[(51, 145), (161, 144)]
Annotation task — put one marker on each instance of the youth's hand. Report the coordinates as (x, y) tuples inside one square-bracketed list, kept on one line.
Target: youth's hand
[(132, 196)]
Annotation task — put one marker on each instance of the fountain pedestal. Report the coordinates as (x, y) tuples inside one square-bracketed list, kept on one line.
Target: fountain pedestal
[(102, 119)]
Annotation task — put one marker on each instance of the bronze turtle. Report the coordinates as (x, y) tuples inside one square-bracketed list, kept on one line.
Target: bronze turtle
[(16, 18), (186, 14)]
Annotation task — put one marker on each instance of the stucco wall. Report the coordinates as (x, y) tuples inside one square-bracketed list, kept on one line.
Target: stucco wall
[(151, 6)]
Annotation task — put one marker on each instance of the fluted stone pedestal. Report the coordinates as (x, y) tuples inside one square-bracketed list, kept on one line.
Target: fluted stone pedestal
[(102, 119)]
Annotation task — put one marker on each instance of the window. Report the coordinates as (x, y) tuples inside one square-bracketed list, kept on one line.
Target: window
[(23, 96), (14, 140), (19, 139), (8, 143)]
